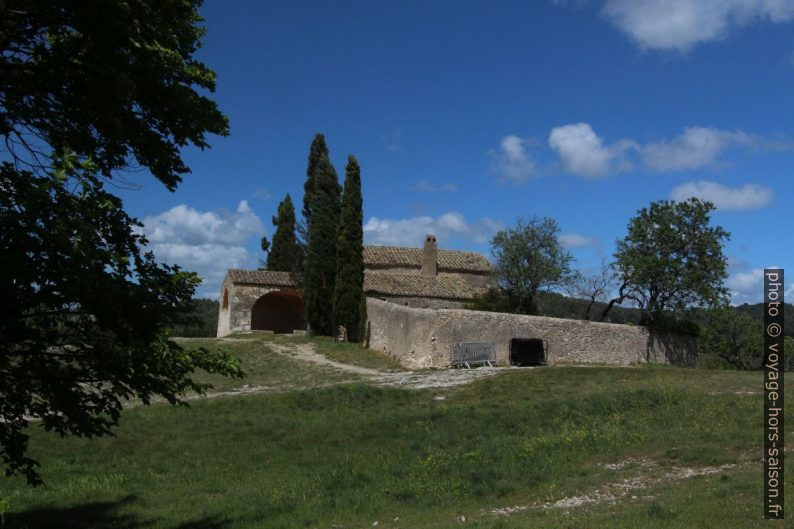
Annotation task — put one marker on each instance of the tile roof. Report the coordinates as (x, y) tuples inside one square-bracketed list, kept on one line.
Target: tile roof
[(448, 260), (262, 277), (404, 285), (443, 287)]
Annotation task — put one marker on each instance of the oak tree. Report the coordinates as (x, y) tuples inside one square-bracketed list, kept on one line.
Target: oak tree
[(671, 260), (529, 259), (91, 90)]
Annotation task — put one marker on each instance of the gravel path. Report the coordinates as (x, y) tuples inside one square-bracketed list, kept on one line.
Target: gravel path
[(625, 488), (436, 378)]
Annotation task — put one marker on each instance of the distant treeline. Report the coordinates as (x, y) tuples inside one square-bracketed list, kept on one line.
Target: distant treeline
[(206, 310), (556, 305), (757, 312)]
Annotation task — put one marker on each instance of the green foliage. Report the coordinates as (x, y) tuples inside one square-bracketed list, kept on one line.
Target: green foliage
[(671, 259), (317, 150), (85, 311), (732, 339), (349, 288), (284, 254), (264, 244), (320, 272), (491, 300), (206, 319), (757, 311), (529, 258), (113, 81), (90, 88)]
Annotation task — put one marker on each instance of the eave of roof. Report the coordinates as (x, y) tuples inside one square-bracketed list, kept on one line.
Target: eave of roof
[(261, 277)]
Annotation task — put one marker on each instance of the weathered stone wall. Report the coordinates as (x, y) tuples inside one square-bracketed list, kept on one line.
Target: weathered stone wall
[(421, 338), (237, 316), (425, 303)]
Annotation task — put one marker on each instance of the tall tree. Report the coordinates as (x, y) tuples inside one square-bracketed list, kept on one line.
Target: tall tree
[(671, 260), (87, 89), (320, 271), (530, 258), (349, 289), (284, 252), (317, 150)]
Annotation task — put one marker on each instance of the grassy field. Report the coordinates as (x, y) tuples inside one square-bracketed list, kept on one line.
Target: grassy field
[(557, 447)]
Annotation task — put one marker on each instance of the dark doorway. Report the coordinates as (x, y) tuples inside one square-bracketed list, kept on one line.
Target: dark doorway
[(528, 352), (280, 311)]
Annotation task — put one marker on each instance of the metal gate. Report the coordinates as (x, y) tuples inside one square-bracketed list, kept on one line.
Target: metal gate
[(468, 354)]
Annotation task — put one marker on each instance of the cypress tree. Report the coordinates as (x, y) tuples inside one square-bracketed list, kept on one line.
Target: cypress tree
[(349, 288), (284, 251), (316, 151), (320, 272)]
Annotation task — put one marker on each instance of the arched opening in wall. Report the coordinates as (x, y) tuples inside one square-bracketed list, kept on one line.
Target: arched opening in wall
[(225, 303), (280, 311)]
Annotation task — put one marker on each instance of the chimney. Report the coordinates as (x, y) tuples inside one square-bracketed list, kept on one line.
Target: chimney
[(430, 256)]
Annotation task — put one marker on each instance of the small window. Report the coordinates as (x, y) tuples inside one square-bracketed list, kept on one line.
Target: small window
[(225, 304)]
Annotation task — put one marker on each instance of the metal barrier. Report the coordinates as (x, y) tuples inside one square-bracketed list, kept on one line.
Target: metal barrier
[(467, 354)]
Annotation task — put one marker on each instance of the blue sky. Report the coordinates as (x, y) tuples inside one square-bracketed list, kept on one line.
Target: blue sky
[(467, 115)]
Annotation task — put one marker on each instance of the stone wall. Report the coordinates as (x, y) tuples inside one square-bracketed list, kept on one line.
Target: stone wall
[(236, 317), (424, 303), (421, 338)]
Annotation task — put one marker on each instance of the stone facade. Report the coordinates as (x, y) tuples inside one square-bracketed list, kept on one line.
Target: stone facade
[(424, 277), (240, 292), (422, 302), (421, 338)]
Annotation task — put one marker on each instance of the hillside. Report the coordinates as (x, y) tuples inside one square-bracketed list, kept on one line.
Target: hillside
[(313, 440)]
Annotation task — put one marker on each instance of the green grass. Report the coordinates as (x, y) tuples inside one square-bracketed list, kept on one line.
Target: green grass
[(265, 368), (348, 353), (351, 454)]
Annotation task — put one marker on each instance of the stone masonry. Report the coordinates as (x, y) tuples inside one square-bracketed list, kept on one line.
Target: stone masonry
[(421, 338)]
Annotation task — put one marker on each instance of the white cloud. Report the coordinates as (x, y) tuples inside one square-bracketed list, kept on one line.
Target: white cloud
[(207, 242), (424, 186), (263, 193), (748, 287), (185, 225), (678, 25), (576, 240), (696, 147), (513, 161), (749, 196), (412, 231), (583, 153)]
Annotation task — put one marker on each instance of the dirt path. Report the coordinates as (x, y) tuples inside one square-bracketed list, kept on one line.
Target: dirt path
[(437, 378), (305, 352), (617, 490)]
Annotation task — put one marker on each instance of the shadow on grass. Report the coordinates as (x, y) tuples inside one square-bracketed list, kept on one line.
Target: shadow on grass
[(97, 515)]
